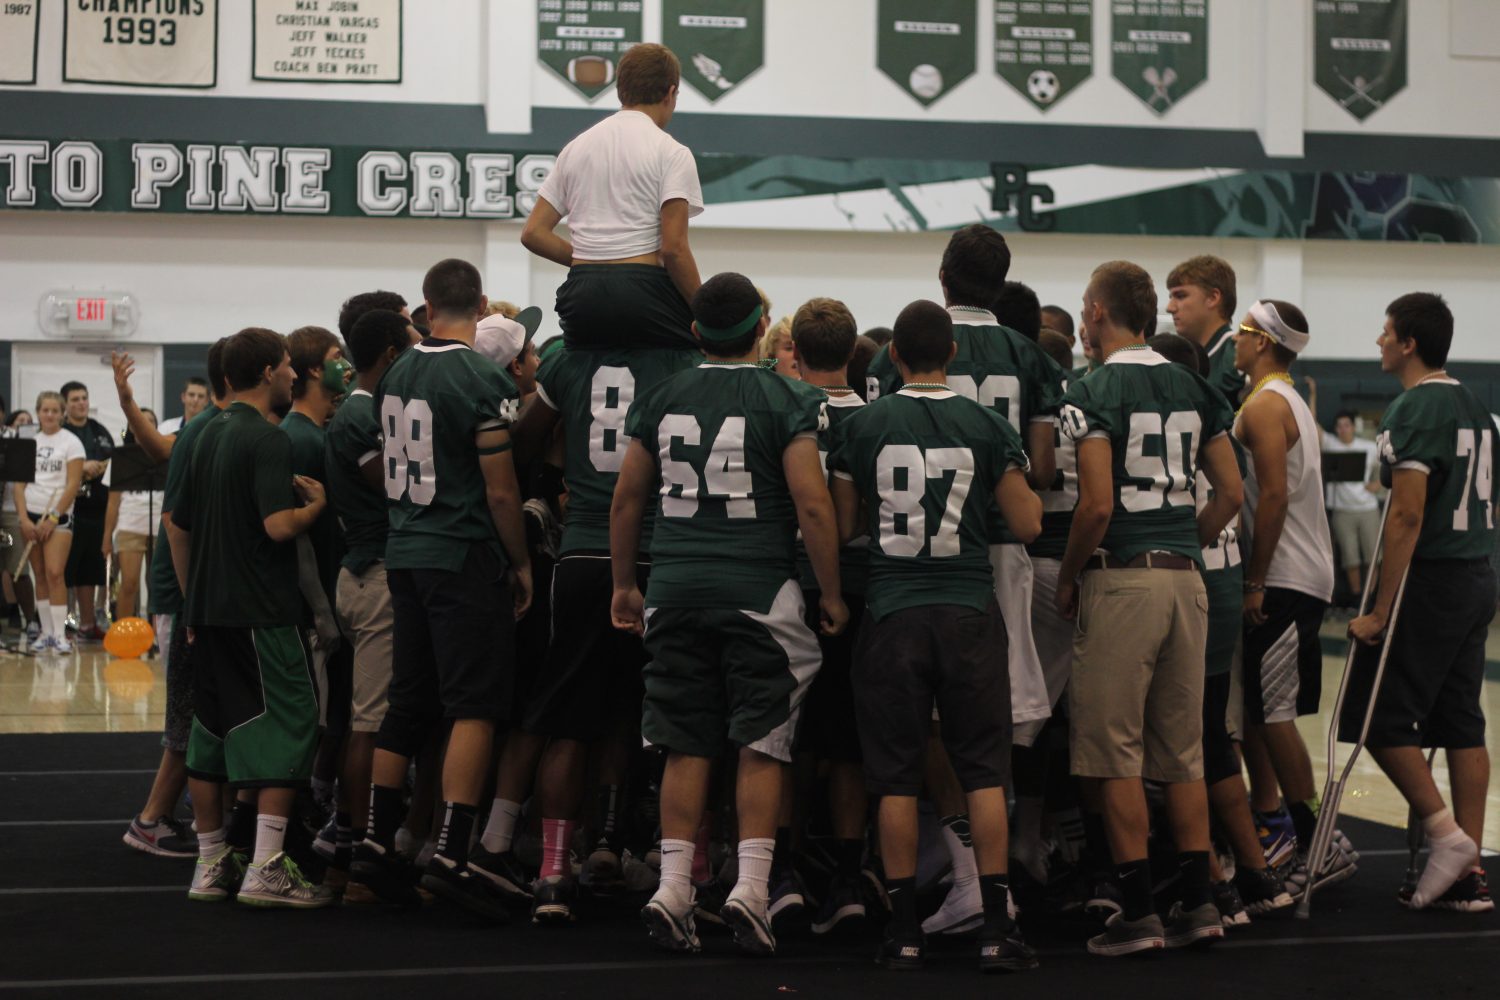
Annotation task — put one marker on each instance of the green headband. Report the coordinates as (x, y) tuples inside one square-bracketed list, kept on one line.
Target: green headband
[(733, 332)]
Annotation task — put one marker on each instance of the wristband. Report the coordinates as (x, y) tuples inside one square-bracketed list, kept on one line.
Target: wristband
[(1254, 588), (52, 516)]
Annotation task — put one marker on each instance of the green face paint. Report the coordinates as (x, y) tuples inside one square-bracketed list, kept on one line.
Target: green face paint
[(336, 375)]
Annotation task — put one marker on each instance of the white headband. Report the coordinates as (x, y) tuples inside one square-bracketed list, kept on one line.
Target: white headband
[(1270, 321)]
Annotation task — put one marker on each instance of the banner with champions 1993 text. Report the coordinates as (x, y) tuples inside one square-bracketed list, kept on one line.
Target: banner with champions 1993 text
[(1359, 51), (719, 42), (18, 33), (149, 43), (1160, 48)]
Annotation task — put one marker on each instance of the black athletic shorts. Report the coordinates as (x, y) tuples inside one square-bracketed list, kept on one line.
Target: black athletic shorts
[(1219, 759), (948, 654), (85, 566), (453, 648), (623, 305), (1434, 676), (178, 725), (1284, 658), (533, 638), (828, 728)]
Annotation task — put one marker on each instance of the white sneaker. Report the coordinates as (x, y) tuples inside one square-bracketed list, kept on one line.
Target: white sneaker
[(216, 878), (62, 646), (962, 911), (279, 882), (670, 925)]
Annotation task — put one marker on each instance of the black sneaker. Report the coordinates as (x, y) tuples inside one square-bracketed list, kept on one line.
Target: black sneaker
[(388, 875), (1470, 894), (462, 887), (552, 902), (504, 870), (1129, 937), (902, 954), (843, 911), (1001, 949), (326, 843), (1231, 907), (1104, 900), (708, 900), (787, 910), (1262, 890), (1199, 926)]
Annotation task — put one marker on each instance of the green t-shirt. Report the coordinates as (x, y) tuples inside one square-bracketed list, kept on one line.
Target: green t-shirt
[(1157, 416), (725, 522), (854, 561), (432, 402), (1222, 374), (1441, 428), (166, 596), (309, 442), (240, 474), (592, 391), (353, 439), (926, 465), (998, 368)]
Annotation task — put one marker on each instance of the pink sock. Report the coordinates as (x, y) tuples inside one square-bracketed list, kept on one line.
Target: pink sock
[(701, 871), (557, 841)]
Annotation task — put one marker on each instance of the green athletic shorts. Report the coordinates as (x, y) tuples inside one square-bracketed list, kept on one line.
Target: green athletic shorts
[(718, 676)]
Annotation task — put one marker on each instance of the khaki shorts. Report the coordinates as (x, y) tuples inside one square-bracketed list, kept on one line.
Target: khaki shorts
[(1136, 697), (131, 541), (1355, 531), (10, 556), (365, 613)]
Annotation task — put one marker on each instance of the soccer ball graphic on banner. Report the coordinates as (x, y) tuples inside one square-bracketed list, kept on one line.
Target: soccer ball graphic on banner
[(926, 81), (1043, 86)]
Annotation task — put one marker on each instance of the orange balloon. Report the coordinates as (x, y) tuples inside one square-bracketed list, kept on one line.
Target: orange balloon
[(129, 638)]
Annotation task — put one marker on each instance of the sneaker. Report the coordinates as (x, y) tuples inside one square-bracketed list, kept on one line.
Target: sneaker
[(1104, 900), (92, 633), (279, 882), (787, 909), (33, 633), (1199, 926), (1278, 838), (326, 843), (708, 899), (1470, 894), (390, 877), (503, 869), (218, 877), (1231, 906), (1262, 890), (445, 879), (751, 925), (603, 864), (553, 900), (61, 645), (1339, 867), (1129, 937), (843, 910), (872, 891), (671, 930), (1002, 949), (901, 955), (168, 837), (962, 911)]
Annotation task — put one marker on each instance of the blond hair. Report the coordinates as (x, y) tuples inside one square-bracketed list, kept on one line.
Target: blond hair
[(47, 394), (499, 307), (781, 328)]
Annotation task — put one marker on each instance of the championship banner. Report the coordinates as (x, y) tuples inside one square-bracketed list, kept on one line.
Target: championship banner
[(1159, 57), (719, 42), (1044, 52), (159, 43), (359, 42), (18, 32), (582, 40), (1360, 52), (926, 46)]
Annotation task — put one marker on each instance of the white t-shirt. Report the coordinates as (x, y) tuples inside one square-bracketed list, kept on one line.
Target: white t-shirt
[(172, 425), (53, 453), (1352, 496), (138, 508), (611, 182)]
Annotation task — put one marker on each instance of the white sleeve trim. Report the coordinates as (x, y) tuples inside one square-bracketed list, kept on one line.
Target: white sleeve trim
[(541, 393), (1043, 418), (372, 453), (1096, 434), (1421, 467), (841, 474), (805, 434)]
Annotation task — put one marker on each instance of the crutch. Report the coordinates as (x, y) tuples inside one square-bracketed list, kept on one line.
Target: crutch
[(1333, 788), (1415, 837)]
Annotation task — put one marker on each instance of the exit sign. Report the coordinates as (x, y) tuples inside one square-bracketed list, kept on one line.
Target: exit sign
[(90, 314), (93, 314)]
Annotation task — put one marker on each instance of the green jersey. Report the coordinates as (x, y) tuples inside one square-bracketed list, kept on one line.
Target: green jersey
[(853, 559), (354, 439), (309, 442), (998, 368), (240, 474), (1441, 428), (592, 391), (432, 402), (166, 596), (1059, 499), (1157, 416), (725, 523), (926, 465), (1081, 371), (1222, 374)]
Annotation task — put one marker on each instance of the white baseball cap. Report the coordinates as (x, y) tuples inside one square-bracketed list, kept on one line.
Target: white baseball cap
[(502, 340)]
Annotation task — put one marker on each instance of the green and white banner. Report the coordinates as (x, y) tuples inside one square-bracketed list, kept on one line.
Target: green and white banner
[(926, 46), (719, 42), (1360, 52), (1160, 49), (582, 40), (144, 43), (352, 41), (1044, 50), (19, 24)]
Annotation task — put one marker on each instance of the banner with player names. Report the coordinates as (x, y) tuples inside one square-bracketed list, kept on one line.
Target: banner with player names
[(18, 33), (1160, 48), (1044, 50), (582, 40), (327, 41), (147, 43), (719, 42), (926, 46), (1359, 51)]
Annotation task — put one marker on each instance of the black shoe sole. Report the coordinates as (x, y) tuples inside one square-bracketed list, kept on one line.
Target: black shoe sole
[(387, 887), (1011, 963), (664, 933), (747, 932), (552, 915), (440, 887), (508, 889)]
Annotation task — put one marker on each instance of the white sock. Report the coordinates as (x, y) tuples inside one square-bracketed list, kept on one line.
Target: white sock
[(960, 852), (677, 871), (270, 834), (44, 615), (211, 843), (755, 855), (60, 620), (500, 829), (1450, 857)]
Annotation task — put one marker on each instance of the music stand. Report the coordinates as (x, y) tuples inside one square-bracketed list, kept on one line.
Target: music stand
[(1344, 466), (131, 470), (17, 460)]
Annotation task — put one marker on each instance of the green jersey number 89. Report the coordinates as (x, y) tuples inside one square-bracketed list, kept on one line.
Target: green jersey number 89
[(409, 470)]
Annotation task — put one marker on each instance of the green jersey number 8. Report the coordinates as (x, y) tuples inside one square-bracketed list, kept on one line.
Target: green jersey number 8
[(409, 470), (902, 474), (611, 393)]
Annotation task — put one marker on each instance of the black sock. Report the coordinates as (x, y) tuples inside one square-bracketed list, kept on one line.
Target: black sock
[(1134, 878), (781, 859), (241, 834), (1096, 840), (994, 890), (343, 841), (849, 854), (609, 808), (1028, 768), (1196, 880), (385, 816), (1305, 820), (903, 893), (458, 823)]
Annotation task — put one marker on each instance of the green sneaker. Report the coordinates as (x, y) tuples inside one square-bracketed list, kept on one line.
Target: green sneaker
[(279, 882), (217, 878)]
